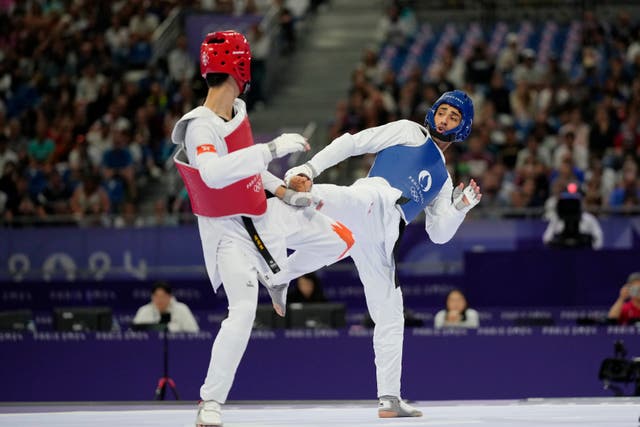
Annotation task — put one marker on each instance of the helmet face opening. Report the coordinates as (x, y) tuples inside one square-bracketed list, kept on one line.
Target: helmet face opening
[(459, 100), (227, 52)]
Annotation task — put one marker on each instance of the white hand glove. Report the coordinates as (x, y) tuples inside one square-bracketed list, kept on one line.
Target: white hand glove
[(287, 143), (298, 199), (306, 170), (472, 197)]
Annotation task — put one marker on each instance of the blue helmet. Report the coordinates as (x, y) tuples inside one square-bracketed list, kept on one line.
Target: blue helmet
[(462, 102)]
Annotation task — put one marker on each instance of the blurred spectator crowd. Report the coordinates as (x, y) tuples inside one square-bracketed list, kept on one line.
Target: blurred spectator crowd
[(84, 113), (554, 104), (86, 110)]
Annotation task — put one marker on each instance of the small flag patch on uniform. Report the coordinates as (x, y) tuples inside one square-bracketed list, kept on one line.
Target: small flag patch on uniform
[(206, 148)]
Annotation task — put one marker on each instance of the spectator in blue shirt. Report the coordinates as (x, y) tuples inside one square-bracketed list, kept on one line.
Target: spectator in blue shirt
[(117, 162), (627, 193)]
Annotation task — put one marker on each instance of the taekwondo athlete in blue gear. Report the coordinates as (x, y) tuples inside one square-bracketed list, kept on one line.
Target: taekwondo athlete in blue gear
[(409, 176)]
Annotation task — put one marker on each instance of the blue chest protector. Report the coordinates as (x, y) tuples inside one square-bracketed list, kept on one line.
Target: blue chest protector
[(419, 172)]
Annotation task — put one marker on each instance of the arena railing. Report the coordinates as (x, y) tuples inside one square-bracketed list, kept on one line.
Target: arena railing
[(165, 36), (145, 220)]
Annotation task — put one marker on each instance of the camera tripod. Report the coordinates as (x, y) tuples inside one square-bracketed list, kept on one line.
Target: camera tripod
[(165, 381)]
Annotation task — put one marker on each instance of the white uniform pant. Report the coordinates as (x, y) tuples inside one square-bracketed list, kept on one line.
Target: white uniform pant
[(238, 261), (368, 210)]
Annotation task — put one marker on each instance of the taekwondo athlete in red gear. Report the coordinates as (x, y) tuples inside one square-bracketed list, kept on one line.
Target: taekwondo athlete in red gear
[(243, 234)]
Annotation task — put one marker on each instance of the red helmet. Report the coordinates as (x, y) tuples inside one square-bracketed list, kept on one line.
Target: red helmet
[(227, 52)]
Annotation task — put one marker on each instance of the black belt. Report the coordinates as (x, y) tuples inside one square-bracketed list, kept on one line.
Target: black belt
[(255, 238)]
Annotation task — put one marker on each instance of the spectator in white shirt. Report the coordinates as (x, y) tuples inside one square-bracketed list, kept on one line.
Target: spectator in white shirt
[(181, 65), (89, 84), (143, 23), (162, 302)]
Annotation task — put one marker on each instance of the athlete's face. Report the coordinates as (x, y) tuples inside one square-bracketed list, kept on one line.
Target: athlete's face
[(447, 118)]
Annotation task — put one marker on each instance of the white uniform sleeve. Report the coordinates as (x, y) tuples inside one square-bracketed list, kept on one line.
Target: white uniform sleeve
[(271, 182), (372, 140), (442, 218), (220, 171)]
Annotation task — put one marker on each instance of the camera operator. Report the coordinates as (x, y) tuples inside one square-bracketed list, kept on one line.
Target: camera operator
[(571, 227), (626, 309)]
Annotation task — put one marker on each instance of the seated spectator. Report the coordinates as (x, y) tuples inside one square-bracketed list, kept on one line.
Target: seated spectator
[(129, 217), (457, 313), (6, 154), (509, 149), (98, 139), (627, 192), (396, 26), (522, 102), (162, 302), (89, 202), (181, 66), (27, 206), (499, 94), (531, 183), (161, 216), (580, 130), (307, 289), (527, 70), (477, 159), (626, 309), (89, 84), (117, 38), (567, 172), (568, 148), (55, 196), (533, 149), (117, 162), (508, 55), (82, 159), (260, 53), (492, 195), (41, 146), (287, 28), (479, 66), (602, 133)]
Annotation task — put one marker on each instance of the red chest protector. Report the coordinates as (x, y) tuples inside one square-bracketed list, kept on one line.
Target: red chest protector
[(244, 197)]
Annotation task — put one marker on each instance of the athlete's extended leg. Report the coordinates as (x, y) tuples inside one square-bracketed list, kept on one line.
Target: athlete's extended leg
[(340, 214), (317, 241)]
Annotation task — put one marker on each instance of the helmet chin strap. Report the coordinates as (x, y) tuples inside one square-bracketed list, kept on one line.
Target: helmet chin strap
[(444, 138)]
